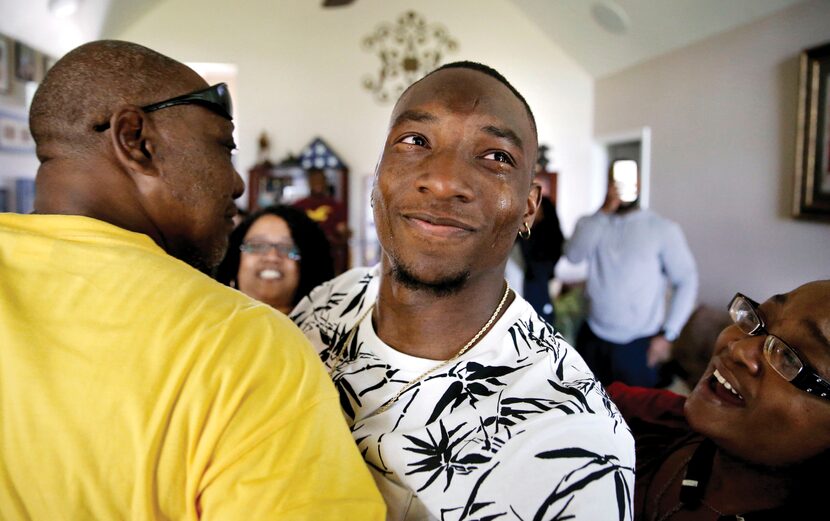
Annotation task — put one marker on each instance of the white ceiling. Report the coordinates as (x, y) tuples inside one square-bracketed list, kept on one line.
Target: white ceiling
[(655, 27), (31, 22)]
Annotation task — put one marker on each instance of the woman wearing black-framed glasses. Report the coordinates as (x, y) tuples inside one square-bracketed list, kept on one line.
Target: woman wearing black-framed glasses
[(753, 437), (277, 255)]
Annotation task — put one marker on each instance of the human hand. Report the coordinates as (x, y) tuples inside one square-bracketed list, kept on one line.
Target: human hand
[(612, 199), (659, 351)]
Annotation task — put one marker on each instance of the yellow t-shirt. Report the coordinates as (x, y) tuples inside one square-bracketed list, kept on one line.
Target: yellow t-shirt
[(134, 387)]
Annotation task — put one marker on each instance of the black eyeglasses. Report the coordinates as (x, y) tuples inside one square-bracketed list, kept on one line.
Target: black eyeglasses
[(286, 251), (215, 98), (781, 357)]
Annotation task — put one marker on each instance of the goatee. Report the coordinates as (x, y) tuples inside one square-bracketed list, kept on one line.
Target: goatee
[(441, 287)]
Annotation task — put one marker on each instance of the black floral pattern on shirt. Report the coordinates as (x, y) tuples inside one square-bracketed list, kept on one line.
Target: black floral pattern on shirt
[(468, 414)]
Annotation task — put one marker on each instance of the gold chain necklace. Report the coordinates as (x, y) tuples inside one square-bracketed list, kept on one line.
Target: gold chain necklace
[(411, 383)]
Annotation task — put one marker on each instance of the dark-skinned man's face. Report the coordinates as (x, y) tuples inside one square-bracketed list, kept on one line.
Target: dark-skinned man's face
[(201, 182), (453, 184)]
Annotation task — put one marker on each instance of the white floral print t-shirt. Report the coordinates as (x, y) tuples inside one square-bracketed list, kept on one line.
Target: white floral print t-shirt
[(515, 429)]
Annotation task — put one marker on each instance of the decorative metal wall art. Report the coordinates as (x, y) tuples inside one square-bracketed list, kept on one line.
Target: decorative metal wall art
[(407, 49)]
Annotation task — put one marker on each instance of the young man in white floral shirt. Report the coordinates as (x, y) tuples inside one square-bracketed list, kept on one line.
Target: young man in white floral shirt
[(463, 401)]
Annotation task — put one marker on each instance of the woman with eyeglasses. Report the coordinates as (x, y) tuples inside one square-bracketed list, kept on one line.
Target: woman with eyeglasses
[(277, 255), (752, 440)]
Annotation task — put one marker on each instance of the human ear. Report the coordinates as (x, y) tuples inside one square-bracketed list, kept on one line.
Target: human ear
[(534, 197), (133, 141)]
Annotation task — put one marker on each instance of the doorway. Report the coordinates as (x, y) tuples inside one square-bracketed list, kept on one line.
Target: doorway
[(621, 149)]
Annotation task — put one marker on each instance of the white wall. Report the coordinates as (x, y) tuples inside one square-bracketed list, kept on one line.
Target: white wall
[(723, 121), (300, 71), (31, 22)]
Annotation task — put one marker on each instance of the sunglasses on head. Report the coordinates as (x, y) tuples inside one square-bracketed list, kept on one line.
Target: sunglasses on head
[(216, 99)]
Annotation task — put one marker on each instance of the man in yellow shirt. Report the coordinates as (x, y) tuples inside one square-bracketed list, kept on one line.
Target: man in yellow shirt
[(132, 386)]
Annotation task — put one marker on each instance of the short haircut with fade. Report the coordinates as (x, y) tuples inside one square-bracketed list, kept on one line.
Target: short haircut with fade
[(493, 73)]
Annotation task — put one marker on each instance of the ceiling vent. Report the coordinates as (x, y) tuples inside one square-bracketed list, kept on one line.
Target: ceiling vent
[(610, 16)]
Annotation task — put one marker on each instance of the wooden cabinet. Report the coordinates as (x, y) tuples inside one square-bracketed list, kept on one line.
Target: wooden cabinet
[(287, 183)]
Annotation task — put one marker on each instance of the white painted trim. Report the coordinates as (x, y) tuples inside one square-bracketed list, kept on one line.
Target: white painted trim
[(645, 166)]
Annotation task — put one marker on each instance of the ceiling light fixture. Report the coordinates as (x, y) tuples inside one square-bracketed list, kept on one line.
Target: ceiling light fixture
[(63, 8), (610, 16), (336, 3)]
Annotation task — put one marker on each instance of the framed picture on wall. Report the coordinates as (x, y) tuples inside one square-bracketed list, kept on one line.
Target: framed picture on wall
[(5, 80), (812, 162), (26, 62), (14, 131)]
